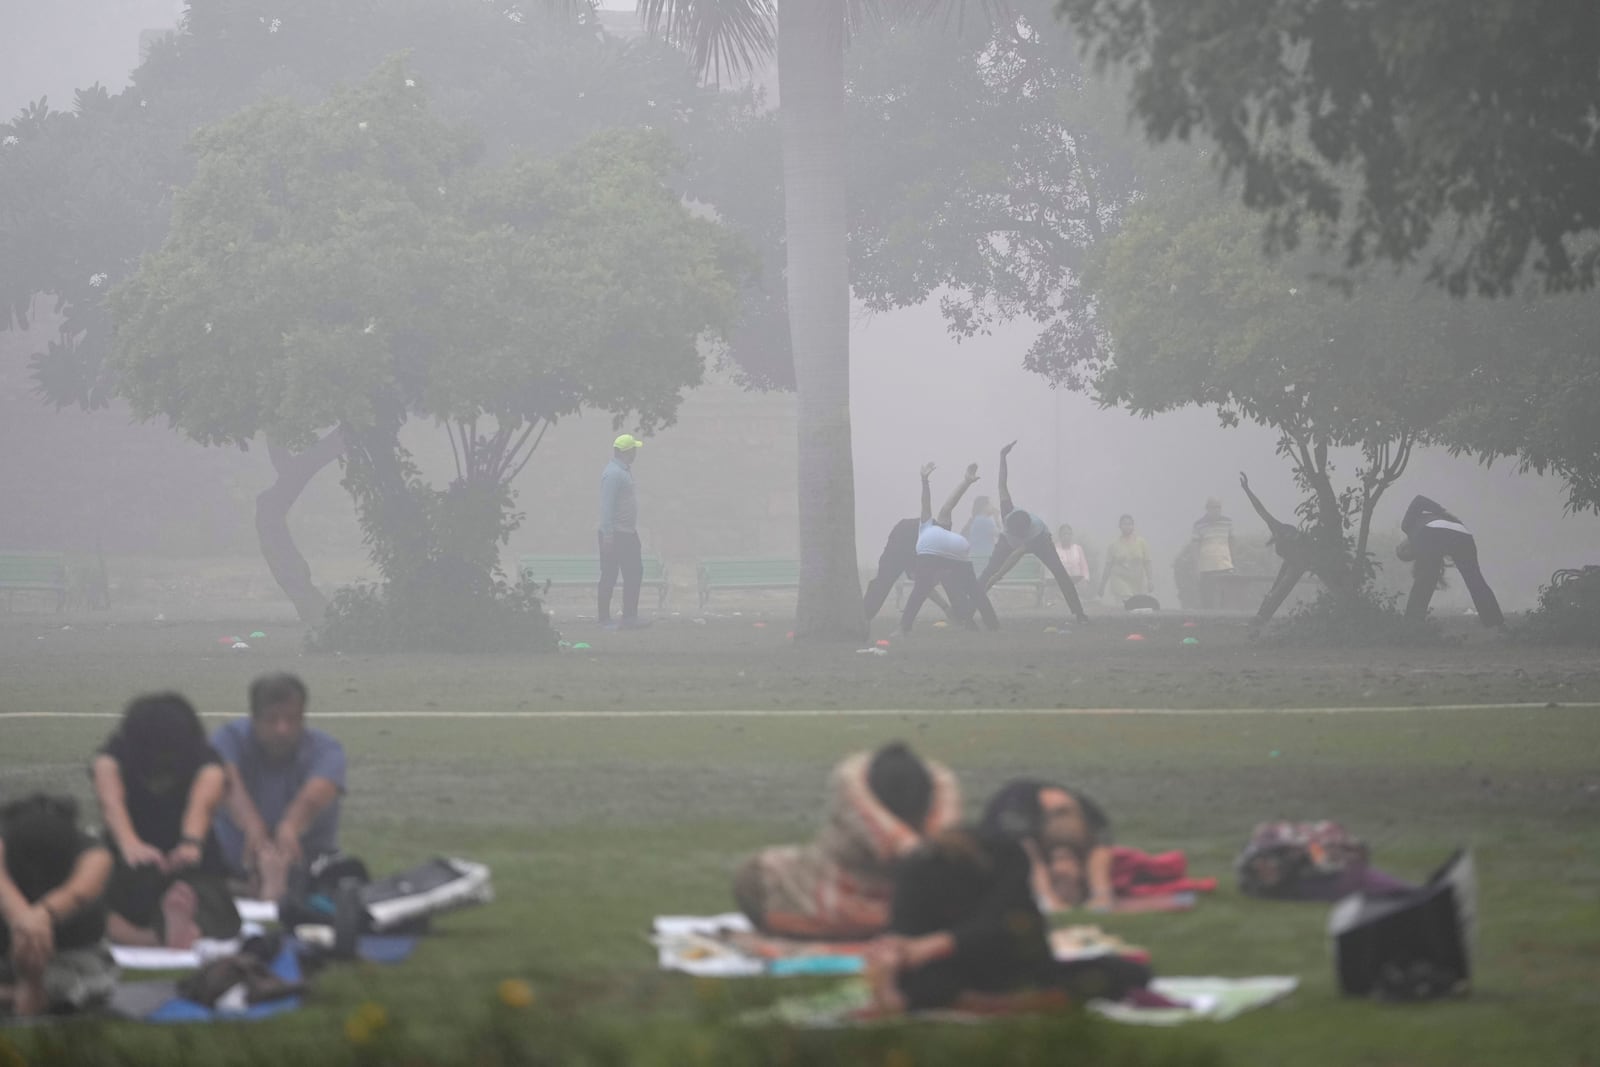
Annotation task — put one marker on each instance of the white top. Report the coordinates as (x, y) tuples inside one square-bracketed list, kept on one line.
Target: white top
[(935, 540)]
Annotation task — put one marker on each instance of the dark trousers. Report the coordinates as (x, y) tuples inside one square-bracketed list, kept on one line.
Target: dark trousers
[(960, 584), (1210, 583), (1432, 546), (1044, 547), (899, 557), (625, 555), (1289, 574)]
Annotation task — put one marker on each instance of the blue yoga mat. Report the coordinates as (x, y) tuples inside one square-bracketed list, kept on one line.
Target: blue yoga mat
[(180, 1010)]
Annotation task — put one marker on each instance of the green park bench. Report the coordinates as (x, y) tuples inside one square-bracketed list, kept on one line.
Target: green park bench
[(1029, 573), (583, 572), (34, 572), (747, 573)]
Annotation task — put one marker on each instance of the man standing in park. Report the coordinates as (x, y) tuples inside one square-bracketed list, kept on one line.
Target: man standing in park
[(1213, 552), (620, 551), (284, 783)]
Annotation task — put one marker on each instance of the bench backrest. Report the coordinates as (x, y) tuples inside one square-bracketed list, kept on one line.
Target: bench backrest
[(38, 569), (567, 570), (1029, 569), (750, 572)]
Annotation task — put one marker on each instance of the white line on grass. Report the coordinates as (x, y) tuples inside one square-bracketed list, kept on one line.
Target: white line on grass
[(833, 713)]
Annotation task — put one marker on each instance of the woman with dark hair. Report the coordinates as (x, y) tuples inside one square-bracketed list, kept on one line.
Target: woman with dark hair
[(159, 783), (1055, 824)]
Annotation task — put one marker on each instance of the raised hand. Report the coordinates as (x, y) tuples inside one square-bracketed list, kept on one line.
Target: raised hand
[(1244, 481), (927, 469), (972, 472), (1006, 451)]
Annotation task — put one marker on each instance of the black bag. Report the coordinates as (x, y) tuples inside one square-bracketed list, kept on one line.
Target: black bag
[(1413, 945), (327, 892)]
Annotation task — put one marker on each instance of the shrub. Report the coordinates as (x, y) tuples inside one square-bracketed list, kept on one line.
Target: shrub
[(1568, 611)]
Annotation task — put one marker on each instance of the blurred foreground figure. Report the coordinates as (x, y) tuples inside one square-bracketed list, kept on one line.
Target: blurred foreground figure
[(882, 805), (285, 780), (1023, 532), (1432, 536), (620, 551), (159, 785), (53, 955), (1056, 826), (944, 557), (966, 933)]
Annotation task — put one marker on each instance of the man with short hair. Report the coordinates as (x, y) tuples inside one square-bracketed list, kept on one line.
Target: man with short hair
[(284, 783), (1213, 552), (620, 550)]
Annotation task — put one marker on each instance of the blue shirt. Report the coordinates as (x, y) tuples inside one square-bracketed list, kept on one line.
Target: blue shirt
[(619, 507), (274, 785), (982, 531)]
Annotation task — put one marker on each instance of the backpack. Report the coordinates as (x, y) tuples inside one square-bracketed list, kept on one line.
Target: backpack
[(1282, 858)]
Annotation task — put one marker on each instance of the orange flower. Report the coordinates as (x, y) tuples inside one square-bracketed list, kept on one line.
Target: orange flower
[(515, 993)]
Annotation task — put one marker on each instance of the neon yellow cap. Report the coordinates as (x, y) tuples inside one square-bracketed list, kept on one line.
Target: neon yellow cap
[(627, 443)]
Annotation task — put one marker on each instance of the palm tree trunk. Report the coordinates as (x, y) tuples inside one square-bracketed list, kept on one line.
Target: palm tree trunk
[(811, 109)]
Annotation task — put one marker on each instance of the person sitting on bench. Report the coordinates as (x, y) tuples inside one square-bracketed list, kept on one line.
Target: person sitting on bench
[(159, 784), (1432, 536), (285, 781), (1024, 532), (882, 805), (53, 876)]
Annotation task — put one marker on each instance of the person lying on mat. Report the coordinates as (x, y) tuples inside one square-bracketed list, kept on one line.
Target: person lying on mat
[(882, 805), (53, 875), (1044, 817), (159, 784), (966, 932), (285, 780)]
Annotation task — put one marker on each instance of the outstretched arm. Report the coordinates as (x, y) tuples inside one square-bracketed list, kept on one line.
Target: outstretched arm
[(1266, 516), (1005, 494), (927, 493), (947, 513), (1005, 568)]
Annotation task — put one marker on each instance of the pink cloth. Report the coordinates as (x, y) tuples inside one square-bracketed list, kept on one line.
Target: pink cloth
[(1144, 874), (1076, 563)]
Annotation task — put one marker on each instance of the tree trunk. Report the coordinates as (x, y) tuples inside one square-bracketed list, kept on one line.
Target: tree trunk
[(289, 568), (811, 108)]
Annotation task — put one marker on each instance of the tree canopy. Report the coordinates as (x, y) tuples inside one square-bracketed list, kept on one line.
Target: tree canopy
[(1457, 135), (345, 264)]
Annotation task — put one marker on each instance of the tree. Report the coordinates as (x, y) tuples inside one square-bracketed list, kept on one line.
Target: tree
[(809, 41), (345, 267), (1197, 316), (983, 175), (1459, 135), (85, 194)]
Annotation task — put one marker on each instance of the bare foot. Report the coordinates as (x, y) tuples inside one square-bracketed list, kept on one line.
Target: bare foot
[(178, 909)]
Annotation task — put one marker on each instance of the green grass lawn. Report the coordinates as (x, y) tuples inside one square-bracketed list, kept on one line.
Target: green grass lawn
[(594, 825)]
